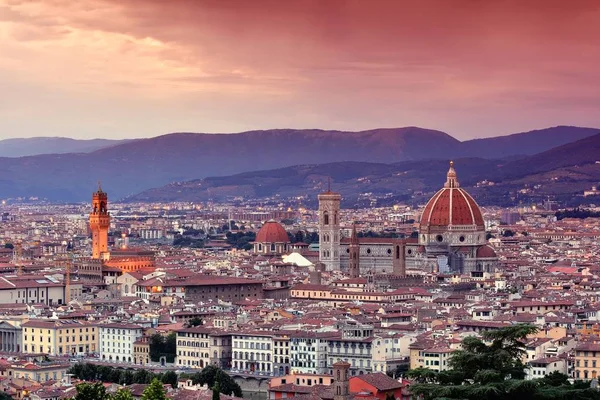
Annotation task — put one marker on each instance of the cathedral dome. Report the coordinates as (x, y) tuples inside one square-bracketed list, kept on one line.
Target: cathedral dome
[(486, 252), (451, 209), (272, 232)]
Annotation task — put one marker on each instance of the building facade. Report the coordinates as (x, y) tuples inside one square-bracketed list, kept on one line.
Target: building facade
[(354, 346), (60, 337), (117, 341), (193, 347), (252, 353), (308, 352), (11, 337), (281, 354)]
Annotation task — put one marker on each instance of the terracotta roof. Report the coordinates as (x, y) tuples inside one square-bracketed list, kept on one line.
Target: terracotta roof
[(451, 205), (272, 232), (486, 252), (380, 381)]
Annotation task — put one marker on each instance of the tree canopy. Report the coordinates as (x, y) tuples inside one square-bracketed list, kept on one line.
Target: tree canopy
[(163, 346), (91, 391), (210, 375), (122, 394), (155, 391), (491, 368)]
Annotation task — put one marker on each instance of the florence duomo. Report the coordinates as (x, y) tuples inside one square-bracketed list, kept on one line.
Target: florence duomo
[(451, 239)]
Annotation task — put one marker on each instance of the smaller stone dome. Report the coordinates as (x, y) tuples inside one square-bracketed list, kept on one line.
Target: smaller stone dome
[(272, 232), (486, 252)]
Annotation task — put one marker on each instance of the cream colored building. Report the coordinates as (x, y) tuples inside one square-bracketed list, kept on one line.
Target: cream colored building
[(117, 341), (193, 347), (390, 351), (59, 337), (432, 358), (40, 373), (141, 351), (40, 289)]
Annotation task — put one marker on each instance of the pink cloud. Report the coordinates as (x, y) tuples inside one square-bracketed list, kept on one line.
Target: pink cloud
[(466, 67)]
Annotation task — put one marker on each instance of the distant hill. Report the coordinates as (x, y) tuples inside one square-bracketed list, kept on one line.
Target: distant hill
[(564, 171), (51, 145), (525, 143), (132, 167), (397, 181), (580, 152)]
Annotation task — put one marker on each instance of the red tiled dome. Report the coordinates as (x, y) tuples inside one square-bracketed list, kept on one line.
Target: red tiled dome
[(451, 206), (272, 232), (486, 252)]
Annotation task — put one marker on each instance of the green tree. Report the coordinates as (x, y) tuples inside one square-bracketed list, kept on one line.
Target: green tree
[(163, 346), (155, 391), (91, 391), (5, 396), (170, 377), (216, 393), (126, 377), (122, 394), (491, 368), (142, 376), (555, 379), (210, 374), (9, 246), (196, 321)]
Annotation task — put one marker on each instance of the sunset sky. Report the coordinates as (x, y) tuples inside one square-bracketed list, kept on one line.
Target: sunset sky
[(140, 68)]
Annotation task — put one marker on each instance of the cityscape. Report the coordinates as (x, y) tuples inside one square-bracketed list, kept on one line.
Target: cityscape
[(374, 258)]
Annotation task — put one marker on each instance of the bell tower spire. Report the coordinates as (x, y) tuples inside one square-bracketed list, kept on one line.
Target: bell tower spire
[(99, 222)]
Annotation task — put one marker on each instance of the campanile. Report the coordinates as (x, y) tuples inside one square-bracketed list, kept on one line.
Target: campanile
[(99, 223), (329, 230)]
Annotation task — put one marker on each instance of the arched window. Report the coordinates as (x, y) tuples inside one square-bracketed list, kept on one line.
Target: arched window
[(325, 218), (397, 252)]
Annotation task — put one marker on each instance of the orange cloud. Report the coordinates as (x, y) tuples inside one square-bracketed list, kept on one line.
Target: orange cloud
[(466, 67)]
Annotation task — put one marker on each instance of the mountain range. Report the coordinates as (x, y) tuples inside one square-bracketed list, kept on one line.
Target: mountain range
[(563, 173), (128, 168), (52, 145)]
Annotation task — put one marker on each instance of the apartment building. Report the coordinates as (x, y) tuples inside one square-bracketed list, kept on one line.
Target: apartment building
[(193, 347), (308, 352), (117, 341), (252, 353), (60, 337)]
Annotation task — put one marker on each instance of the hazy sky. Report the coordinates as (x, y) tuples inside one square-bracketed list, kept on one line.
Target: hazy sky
[(139, 68)]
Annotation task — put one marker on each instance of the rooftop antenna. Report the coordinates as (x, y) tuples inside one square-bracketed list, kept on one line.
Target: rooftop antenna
[(329, 184), (99, 186)]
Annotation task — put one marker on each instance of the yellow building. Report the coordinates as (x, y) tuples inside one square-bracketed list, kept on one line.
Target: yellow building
[(193, 347), (141, 351), (37, 372), (434, 358), (59, 337), (587, 361)]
